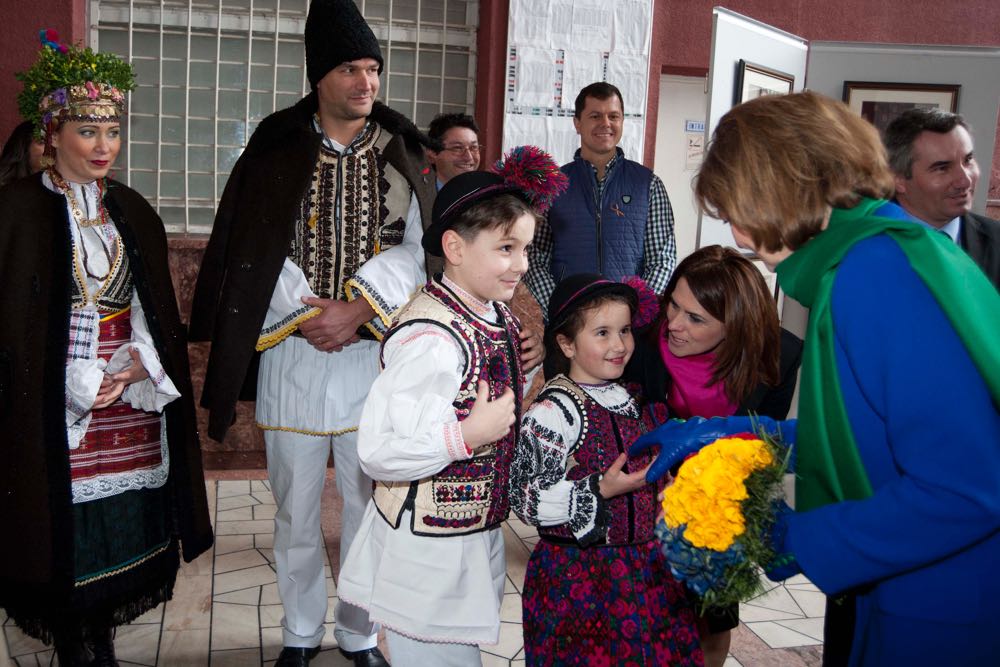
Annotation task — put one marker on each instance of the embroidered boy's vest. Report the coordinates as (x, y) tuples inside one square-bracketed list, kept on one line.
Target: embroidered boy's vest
[(471, 495), (603, 436)]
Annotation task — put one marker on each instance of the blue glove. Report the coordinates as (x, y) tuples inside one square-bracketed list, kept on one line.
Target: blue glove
[(678, 439), (783, 565)]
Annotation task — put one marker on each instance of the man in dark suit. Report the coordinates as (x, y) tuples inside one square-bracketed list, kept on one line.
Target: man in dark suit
[(931, 153)]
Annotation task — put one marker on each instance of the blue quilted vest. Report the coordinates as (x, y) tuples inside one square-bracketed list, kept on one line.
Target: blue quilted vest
[(605, 237)]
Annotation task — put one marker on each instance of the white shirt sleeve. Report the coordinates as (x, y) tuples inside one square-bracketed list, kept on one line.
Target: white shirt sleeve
[(540, 493), (388, 280), (409, 429), (156, 391), (84, 373)]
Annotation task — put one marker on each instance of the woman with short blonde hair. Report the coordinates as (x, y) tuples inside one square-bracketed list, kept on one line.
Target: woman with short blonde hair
[(898, 469)]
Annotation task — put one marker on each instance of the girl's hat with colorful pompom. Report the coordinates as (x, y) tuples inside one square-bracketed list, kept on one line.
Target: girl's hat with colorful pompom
[(576, 291)]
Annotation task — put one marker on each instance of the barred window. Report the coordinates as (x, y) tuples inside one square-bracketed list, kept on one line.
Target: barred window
[(209, 70)]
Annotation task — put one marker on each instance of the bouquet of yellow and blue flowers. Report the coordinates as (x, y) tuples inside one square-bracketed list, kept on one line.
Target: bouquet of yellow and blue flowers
[(718, 515)]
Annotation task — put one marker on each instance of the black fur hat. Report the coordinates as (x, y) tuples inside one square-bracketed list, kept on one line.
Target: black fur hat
[(337, 33)]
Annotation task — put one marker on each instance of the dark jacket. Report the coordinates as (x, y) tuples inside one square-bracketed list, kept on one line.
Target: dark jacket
[(606, 236), (252, 235), (980, 238), (647, 368), (36, 566)]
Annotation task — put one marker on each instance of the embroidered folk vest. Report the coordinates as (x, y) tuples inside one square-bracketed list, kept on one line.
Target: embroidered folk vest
[(116, 292), (604, 435), (355, 208), (471, 495)]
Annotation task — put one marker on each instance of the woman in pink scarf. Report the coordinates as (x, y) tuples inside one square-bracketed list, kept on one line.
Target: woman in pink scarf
[(717, 350)]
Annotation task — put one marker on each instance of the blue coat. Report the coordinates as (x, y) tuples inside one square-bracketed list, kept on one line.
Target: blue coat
[(922, 552)]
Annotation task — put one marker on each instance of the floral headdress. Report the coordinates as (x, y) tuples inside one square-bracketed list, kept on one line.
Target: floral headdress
[(70, 83)]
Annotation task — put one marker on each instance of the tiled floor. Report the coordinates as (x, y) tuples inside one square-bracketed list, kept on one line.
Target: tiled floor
[(226, 613)]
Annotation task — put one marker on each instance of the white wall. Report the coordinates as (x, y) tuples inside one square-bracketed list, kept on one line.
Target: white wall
[(682, 98), (977, 70), (736, 37)]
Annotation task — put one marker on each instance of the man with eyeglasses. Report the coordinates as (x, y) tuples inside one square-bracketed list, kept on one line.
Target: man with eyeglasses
[(615, 219), (458, 135)]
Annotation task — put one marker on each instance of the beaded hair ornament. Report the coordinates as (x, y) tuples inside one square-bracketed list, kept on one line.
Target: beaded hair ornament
[(70, 83)]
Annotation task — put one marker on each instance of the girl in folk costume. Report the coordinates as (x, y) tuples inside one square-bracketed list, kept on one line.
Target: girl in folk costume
[(597, 590), (105, 472), (438, 429)]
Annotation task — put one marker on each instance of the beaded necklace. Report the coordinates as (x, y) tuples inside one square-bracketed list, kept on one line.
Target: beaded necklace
[(74, 205), (84, 222)]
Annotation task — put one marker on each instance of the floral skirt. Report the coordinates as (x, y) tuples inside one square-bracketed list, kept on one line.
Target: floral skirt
[(606, 606)]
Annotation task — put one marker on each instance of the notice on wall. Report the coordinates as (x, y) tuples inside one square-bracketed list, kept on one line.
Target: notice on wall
[(628, 72), (695, 150), (557, 47), (580, 69)]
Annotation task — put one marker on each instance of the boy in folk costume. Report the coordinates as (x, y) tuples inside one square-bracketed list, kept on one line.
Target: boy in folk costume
[(438, 430), (316, 242)]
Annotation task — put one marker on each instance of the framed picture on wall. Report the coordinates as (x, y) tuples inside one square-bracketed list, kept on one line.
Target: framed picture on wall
[(879, 102), (754, 81)]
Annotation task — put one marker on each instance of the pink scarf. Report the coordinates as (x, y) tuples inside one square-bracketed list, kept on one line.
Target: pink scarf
[(691, 393)]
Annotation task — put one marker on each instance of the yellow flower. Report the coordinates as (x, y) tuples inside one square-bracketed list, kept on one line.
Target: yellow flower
[(709, 489)]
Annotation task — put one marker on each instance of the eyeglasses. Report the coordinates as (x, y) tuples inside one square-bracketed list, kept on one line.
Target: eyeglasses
[(459, 149)]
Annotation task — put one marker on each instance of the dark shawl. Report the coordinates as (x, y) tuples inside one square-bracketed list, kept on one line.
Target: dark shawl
[(36, 565)]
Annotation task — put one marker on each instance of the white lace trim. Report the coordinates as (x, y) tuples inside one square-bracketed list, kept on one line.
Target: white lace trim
[(105, 486)]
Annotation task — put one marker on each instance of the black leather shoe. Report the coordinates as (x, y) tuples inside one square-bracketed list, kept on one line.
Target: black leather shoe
[(103, 648), (71, 651), (371, 657), (296, 656)]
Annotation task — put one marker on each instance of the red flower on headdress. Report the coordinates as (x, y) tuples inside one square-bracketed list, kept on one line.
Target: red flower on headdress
[(93, 92), (50, 38)]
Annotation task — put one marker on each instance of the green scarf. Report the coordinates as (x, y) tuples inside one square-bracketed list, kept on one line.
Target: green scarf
[(829, 466)]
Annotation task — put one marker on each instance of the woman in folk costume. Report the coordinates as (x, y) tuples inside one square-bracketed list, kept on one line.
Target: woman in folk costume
[(898, 469), (102, 468)]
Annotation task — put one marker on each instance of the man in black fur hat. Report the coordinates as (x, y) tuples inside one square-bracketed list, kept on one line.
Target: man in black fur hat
[(316, 242)]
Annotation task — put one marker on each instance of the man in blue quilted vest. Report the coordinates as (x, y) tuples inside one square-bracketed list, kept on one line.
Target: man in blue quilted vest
[(615, 219)]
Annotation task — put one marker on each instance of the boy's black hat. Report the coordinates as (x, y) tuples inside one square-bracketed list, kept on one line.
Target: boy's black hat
[(456, 196), (526, 171), (337, 33), (577, 290)]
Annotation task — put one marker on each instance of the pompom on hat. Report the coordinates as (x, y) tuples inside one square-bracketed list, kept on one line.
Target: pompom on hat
[(336, 33), (70, 83), (527, 172)]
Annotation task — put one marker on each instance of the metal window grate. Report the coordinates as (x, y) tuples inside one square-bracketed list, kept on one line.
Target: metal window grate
[(209, 70)]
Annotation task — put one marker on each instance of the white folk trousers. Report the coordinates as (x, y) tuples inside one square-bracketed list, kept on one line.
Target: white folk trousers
[(296, 466)]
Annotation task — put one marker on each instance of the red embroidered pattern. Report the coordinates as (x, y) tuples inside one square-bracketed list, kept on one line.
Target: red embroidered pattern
[(120, 438)]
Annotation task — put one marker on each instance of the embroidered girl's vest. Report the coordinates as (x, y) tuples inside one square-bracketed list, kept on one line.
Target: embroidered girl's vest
[(604, 435), (471, 495)]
